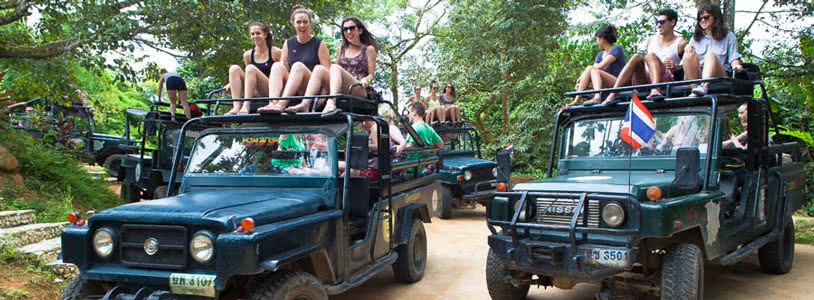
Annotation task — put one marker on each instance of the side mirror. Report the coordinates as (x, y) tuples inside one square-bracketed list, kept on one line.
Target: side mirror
[(504, 166), (687, 166), (359, 151)]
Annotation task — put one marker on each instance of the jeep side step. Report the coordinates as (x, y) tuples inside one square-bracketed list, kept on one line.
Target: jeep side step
[(747, 249), (363, 276)]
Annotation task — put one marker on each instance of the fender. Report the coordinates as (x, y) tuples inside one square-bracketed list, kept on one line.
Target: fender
[(405, 216), (315, 255)]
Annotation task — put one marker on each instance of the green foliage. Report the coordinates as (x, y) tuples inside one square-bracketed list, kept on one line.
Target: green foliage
[(804, 231), (55, 183), (10, 293)]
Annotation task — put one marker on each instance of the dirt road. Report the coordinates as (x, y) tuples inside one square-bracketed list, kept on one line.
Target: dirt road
[(457, 262)]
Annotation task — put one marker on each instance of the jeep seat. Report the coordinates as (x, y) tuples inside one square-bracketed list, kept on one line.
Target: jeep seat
[(731, 182)]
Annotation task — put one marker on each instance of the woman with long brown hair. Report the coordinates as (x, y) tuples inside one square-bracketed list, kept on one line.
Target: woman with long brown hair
[(712, 45), (258, 62)]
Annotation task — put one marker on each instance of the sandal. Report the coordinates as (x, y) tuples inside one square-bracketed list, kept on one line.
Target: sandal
[(328, 113)]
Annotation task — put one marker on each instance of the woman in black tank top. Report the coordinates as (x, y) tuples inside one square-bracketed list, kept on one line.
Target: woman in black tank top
[(300, 55), (258, 61)]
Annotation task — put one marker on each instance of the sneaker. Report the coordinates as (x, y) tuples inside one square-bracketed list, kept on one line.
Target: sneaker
[(700, 90)]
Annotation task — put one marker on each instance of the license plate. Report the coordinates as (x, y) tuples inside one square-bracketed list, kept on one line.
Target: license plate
[(192, 284), (609, 257)]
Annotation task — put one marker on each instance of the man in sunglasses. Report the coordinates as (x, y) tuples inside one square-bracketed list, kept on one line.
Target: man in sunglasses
[(664, 50)]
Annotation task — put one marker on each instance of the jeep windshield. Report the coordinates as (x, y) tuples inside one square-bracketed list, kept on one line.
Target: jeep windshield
[(262, 153), (600, 138)]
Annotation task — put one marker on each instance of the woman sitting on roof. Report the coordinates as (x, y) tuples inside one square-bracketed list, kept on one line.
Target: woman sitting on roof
[(355, 63), (711, 46), (607, 65), (258, 62)]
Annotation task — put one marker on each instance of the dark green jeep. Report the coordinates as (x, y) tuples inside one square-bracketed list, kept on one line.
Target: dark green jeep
[(654, 216), (264, 211), (468, 179)]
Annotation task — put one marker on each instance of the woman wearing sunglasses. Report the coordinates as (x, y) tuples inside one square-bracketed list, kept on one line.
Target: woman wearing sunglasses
[(711, 46), (300, 54), (607, 65), (355, 63), (258, 62)]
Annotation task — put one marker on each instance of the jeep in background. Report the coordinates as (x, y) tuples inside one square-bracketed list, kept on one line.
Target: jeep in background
[(72, 128), (264, 211), (650, 218), (467, 178)]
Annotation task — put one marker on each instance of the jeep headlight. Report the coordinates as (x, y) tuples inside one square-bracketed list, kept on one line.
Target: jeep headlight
[(494, 172), (613, 214), (202, 247), (526, 214), (137, 173), (468, 175), (104, 241)]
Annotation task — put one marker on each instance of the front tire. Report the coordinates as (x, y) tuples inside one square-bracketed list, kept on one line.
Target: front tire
[(79, 288), (682, 274), (777, 256), (113, 164), (499, 288), (129, 193), (412, 260), (446, 202), (288, 285)]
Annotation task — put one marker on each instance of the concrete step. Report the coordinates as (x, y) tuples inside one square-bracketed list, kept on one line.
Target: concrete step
[(63, 270), (12, 218), (46, 250), (32, 233)]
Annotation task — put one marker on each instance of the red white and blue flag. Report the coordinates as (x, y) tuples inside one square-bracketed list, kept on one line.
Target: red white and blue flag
[(638, 127), (510, 148)]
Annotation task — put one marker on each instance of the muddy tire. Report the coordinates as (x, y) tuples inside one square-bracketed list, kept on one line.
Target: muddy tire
[(160, 192), (412, 260), (499, 288), (288, 285), (446, 202), (777, 256), (113, 164), (79, 288), (682, 274), (129, 193)]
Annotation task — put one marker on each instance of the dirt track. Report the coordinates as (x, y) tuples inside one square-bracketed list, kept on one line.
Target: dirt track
[(457, 262)]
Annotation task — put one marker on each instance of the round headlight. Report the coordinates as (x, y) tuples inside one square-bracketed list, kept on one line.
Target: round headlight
[(522, 216), (494, 172), (613, 214), (138, 173), (103, 242), (201, 247), (468, 175)]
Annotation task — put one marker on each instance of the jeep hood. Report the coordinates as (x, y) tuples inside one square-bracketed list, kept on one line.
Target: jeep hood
[(607, 182), (214, 207), (452, 160)]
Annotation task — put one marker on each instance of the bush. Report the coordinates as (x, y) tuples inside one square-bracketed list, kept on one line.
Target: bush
[(55, 182)]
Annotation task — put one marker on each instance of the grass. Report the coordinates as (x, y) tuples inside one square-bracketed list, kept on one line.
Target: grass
[(55, 182), (26, 276), (804, 231)]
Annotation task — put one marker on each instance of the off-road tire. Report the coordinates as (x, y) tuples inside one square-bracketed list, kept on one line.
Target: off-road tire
[(412, 260), (682, 274), (499, 288), (446, 202), (79, 288), (160, 191), (777, 256), (113, 164), (287, 285), (129, 193)]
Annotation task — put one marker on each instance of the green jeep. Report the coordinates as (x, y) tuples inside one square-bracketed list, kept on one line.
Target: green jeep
[(650, 217)]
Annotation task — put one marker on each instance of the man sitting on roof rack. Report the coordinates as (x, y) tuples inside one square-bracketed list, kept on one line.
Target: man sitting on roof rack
[(713, 42)]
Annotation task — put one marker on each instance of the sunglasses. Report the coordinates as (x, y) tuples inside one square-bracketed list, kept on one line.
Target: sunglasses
[(704, 17), (661, 22), (349, 28)]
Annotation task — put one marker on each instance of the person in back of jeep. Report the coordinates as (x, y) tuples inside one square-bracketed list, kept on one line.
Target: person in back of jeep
[(424, 131), (288, 142)]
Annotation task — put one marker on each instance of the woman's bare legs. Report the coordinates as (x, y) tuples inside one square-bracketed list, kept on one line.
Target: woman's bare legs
[(712, 67), (236, 78), (277, 79), (256, 85), (320, 77), (600, 78), (295, 85), (633, 69), (582, 84), (440, 113), (455, 112), (341, 80), (185, 104), (173, 102)]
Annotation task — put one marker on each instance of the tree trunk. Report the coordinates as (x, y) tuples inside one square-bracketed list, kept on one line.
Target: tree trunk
[(504, 99), (394, 84)]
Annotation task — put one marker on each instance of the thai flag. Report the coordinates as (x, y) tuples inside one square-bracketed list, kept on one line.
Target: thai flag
[(510, 148), (638, 127)]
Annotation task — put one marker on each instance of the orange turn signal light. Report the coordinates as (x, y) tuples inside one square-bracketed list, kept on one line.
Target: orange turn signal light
[(247, 224), (654, 193), (501, 187), (74, 217), (460, 178)]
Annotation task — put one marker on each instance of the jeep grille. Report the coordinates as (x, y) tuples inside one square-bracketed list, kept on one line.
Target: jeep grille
[(480, 174), (172, 246), (552, 211)]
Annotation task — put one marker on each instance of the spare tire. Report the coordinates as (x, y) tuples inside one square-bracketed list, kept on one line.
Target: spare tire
[(113, 164)]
